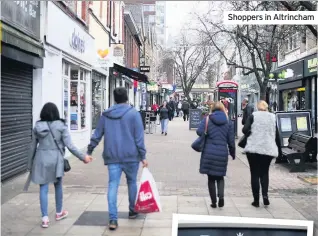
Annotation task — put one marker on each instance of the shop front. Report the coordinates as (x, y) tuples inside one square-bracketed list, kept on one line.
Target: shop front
[(100, 73), (124, 75), (291, 87), (21, 58), (66, 78), (310, 74)]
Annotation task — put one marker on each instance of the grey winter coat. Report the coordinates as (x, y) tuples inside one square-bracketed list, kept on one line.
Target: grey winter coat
[(46, 162)]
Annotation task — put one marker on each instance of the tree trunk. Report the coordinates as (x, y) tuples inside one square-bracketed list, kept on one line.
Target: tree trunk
[(262, 92)]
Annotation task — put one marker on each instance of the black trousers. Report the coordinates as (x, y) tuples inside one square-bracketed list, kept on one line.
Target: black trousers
[(217, 190), (259, 167), (185, 115)]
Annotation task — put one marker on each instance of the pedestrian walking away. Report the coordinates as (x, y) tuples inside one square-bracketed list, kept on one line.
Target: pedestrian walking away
[(46, 159), (172, 110), (220, 141), (185, 109), (263, 144), (247, 110), (164, 117), (124, 148), (179, 106)]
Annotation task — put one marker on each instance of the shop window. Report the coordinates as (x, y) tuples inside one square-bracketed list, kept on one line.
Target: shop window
[(66, 91), (78, 99)]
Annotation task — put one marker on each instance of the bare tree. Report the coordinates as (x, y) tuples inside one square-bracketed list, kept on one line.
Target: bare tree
[(301, 6), (191, 60), (255, 45)]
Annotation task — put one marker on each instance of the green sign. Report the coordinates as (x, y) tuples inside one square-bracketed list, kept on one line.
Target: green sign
[(312, 65)]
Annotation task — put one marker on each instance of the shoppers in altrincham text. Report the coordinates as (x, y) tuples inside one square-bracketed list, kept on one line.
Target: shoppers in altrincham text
[(124, 148), (164, 117), (263, 144), (46, 158), (185, 109), (220, 141), (247, 110), (172, 110)]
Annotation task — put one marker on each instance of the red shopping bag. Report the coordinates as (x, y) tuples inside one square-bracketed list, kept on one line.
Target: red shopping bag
[(147, 200)]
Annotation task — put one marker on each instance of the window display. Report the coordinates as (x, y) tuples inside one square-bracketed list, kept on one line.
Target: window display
[(65, 100), (78, 99), (74, 105), (294, 100), (97, 98)]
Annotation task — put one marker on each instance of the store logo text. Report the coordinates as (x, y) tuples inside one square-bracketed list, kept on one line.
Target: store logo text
[(77, 43)]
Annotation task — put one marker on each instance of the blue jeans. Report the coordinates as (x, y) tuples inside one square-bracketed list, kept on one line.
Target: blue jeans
[(44, 190), (164, 125), (114, 172)]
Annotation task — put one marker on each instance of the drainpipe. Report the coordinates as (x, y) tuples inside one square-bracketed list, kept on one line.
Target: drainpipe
[(111, 22)]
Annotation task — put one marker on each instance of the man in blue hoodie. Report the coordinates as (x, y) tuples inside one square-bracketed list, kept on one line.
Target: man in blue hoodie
[(124, 148)]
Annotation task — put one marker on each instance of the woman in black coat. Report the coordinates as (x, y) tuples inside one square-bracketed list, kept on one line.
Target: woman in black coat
[(219, 143)]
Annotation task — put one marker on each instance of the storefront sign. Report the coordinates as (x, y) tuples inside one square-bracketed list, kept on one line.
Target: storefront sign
[(77, 42), (145, 69), (24, 15), (310, 65), (104, 58), (65, 34), (292, 71)]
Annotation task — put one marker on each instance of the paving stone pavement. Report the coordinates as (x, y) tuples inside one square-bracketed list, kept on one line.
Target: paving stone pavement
[(182, 189)]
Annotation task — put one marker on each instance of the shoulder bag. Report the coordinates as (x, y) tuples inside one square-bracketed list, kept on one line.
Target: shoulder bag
[(67, 166), (198, 144), (243, 140)]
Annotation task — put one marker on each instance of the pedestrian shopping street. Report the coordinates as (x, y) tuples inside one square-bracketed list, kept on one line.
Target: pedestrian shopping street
[(174, 166)]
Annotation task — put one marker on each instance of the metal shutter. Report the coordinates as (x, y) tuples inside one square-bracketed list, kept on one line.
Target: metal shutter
[(16, 116)]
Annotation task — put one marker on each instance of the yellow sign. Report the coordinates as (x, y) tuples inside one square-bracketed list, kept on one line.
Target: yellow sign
[(301, 123), (312, 65), (301, 89)]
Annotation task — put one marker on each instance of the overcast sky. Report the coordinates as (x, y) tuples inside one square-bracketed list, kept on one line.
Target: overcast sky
[(180, 14)]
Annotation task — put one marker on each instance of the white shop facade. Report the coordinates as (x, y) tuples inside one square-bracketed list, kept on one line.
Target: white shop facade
[(66, 79)]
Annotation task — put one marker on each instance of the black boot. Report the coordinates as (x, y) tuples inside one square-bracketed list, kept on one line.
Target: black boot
[(255, 204), (266, 201), (213, 205), (221, 202)]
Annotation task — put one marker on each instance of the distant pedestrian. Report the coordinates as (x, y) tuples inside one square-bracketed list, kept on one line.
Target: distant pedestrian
[(194, 104), (185, 109), (164, 117), (263, 144), (172, 110), (124, 148), (220, 141), (247, 110), (155, 108), (179, 106), (46, 158)]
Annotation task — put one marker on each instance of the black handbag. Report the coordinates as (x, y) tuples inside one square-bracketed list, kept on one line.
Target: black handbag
[(67, 166), (243, 140), (198, 144)]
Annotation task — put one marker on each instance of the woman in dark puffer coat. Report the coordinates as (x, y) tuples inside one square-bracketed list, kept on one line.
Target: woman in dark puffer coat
[(220, 141)]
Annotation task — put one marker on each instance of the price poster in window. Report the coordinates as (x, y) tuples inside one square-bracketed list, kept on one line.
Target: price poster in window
[(301, 123), (74, 121), (285, 125)]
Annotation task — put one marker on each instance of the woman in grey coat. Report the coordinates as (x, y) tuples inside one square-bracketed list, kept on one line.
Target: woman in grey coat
[(46, 161)]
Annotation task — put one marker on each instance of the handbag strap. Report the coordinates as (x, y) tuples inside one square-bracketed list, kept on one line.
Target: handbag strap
[(206, 125), (55, 139)]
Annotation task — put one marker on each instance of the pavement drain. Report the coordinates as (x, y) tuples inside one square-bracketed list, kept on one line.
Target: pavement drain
[(100, 218)]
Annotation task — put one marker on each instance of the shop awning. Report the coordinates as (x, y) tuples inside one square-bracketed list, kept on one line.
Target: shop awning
[(131, 74)]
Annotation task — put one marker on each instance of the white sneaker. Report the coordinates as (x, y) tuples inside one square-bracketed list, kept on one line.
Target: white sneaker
[(45, 222)]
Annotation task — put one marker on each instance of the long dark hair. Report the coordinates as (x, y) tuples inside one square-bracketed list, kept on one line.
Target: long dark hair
[(50, 112)]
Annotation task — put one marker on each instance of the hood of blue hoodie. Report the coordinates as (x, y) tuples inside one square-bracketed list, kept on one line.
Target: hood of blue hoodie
[(218, 118), (117, 111)]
